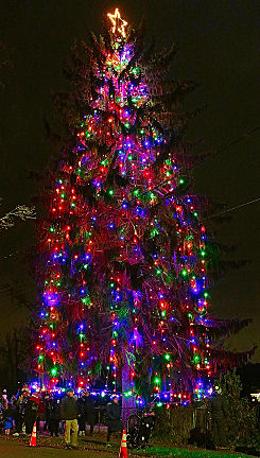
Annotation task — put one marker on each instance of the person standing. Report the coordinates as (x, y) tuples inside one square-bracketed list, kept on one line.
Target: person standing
[(53, 409), (90, 411), (20, 411), (87, 413), (31, 412), (69, 413), (4, 399), (42, 412), (9, 417), (114, 423), (218, 414)]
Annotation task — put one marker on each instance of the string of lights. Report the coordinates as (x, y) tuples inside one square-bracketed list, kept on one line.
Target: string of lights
[(125, 292)]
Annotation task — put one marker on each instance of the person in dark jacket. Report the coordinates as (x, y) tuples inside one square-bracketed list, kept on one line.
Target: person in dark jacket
[(54, 415), (87, 413), (69, 413), (8, 418), (114, 423), (31, 412), (20, 411), (218, 414)]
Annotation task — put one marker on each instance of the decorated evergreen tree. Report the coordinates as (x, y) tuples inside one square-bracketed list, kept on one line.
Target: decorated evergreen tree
[(125, 250)]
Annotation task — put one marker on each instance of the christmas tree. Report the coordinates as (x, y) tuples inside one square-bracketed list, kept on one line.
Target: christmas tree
[(125, 251)]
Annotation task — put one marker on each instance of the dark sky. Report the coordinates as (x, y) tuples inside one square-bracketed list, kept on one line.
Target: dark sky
[(218, 45)]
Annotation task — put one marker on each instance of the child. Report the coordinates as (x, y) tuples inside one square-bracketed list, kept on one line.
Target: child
[(8, 420)]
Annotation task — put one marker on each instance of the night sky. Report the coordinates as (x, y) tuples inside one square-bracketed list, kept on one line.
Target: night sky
[(218, 43)]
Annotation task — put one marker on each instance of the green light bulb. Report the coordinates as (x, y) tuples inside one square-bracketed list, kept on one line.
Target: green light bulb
[(196, 358), (86, 300), (54, 371), (154, 232)]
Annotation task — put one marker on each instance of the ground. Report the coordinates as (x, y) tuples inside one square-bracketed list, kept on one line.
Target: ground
[(48, 448)]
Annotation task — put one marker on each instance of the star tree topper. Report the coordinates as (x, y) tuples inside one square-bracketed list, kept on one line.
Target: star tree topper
[(118, 23)]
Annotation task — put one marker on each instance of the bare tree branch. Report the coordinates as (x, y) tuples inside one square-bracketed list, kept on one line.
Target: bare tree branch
[(22, 212)]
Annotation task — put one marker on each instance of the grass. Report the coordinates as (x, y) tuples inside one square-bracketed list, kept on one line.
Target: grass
[(96, 448), (189, 453)]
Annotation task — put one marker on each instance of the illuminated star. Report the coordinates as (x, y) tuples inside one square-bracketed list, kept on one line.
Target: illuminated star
[(118, 23)]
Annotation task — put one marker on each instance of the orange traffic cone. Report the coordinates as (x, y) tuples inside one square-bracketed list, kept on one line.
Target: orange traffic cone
[(33, 436), (123, 453)]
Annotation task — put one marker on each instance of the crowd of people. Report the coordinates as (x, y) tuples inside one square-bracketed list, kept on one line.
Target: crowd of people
[(54, 414)]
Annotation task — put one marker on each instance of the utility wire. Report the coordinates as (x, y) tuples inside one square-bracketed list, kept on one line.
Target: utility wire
[(229, 210)]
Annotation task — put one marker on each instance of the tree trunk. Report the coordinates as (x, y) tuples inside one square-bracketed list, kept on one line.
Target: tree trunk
[(128, 403)]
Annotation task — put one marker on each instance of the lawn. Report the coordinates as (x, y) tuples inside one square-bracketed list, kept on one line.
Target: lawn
[(189, 453), (96, 448)]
